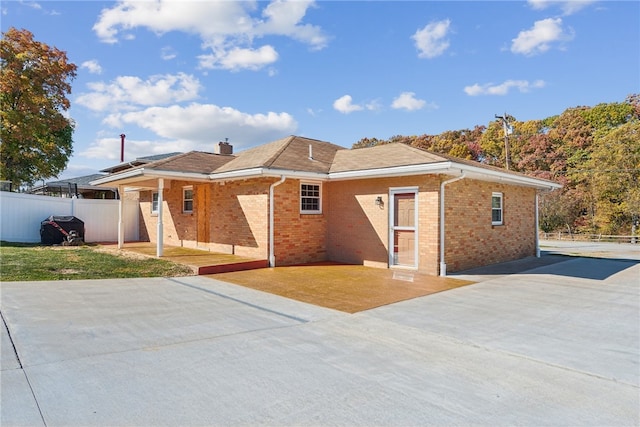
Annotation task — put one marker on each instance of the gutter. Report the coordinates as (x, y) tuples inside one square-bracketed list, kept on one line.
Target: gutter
[(443, 264), (272, 256), (266, 172)]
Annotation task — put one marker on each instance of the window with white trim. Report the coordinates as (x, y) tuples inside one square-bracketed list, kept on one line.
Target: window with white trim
[(310, 201), (187, 199), (496, 209), (154, 202)]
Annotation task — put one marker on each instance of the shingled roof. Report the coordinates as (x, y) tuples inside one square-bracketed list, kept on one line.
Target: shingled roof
[(323, 160), (191, 162), (292, 153), (383, 156)]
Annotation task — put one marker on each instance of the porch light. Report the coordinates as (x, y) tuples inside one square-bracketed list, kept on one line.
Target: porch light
[(379, 202)]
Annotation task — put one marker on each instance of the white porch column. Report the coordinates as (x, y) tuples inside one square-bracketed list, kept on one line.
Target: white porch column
[(159, 239), (120, 216)]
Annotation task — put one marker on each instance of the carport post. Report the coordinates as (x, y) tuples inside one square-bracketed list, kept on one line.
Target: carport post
[(120, 217), (159, 239)]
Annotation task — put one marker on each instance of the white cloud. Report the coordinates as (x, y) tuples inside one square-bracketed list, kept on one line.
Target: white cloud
[(126, 92), (540, 37), (193, 127), (568, 7), (93, 66), (431, 40), (345, 105), (168, 53), (226, 28), (502, 89), (407, 101), (237, 59), (284, 17)]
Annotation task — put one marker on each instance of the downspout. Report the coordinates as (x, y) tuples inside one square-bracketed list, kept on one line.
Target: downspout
[(272, 256), (537, 228), (443, 264)]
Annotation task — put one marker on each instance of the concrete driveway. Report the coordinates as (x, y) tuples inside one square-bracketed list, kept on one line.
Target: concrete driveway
[(555, 345)]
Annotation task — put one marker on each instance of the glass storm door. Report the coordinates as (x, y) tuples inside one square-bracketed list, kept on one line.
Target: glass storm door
[(403, 228)]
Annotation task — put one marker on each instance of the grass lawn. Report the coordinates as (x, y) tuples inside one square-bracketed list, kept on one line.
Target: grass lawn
[(21, 261)]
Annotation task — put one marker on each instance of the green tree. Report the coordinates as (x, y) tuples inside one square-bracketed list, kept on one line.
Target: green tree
[(34, 83), (615, 179)]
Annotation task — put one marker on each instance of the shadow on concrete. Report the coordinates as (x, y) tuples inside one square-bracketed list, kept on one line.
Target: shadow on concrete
[(555, 264)]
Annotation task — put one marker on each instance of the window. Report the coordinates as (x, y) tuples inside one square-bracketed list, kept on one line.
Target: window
[(154, 202), (496, 208), (187, 199), (310, 198)]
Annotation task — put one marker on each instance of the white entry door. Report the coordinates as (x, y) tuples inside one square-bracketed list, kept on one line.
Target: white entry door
[(403, 227)]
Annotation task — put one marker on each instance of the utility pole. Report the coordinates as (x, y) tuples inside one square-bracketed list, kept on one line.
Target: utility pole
[(507, 130)]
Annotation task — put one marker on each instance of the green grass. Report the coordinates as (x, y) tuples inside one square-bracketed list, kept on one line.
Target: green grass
[(31, 262)]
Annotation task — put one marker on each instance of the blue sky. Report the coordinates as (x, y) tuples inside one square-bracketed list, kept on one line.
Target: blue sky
[(183, 75)]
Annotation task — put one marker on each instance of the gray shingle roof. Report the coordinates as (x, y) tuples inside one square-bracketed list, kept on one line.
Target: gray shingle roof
[(191, 162), (383, 156), (291, 153)]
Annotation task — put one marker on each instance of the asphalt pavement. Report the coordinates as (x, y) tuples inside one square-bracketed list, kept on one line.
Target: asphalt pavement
[(532, 343)]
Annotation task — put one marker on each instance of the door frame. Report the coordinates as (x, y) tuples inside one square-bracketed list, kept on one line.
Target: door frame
[(392, 192)]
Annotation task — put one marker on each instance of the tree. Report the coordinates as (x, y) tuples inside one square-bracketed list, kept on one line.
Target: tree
[(34, 84), (615, 177)]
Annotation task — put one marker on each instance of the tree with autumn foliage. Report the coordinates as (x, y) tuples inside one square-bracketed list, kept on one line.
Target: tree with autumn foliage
[(594, 152), (36, 136)]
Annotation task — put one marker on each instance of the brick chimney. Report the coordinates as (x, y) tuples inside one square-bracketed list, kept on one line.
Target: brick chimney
[(223, 148)]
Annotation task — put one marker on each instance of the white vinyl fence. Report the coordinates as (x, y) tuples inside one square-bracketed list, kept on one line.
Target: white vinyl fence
[(21, 215)]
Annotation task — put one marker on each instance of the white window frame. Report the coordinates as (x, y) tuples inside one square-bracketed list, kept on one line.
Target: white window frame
[(500, 209), (154, 211), (319, 198), (184, 198)]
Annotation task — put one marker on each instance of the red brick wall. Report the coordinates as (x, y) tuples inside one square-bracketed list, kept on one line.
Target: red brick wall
[(180, 228), (239, 217), (471, 240), (299, 238), (359, 230), (351, 228)]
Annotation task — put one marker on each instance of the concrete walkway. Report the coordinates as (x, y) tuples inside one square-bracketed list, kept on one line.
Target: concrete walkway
[(558, 344)]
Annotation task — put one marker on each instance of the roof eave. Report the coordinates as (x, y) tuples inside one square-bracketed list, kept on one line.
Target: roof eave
[(507, 178), (266, 172), (131, 176), (420, 169)]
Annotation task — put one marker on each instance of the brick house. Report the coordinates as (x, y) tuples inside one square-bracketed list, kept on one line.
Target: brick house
[(299, 200)]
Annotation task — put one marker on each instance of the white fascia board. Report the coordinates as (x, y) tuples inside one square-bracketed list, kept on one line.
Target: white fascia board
[(507, 178), (441, 167), (267, 172), (183, 176), (238, 174), (293, 174), (131, 176), (119, 176)]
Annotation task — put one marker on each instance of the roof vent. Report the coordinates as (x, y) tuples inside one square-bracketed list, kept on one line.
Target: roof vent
[(223, 148)]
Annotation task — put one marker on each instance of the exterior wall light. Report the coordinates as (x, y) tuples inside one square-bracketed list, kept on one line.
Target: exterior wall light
[(379, 202)]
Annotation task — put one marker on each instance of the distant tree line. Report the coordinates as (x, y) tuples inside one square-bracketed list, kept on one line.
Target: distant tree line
[(593, 151)]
